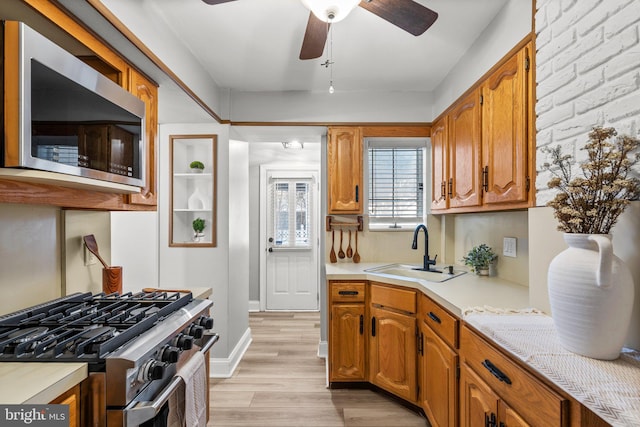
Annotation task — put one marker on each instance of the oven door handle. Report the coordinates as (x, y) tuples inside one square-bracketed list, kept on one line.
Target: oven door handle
[(145, 411), (212, 339)]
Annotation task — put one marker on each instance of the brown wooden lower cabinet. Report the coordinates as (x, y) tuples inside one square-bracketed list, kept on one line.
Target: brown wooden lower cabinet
[(431, 359), (347, 331), (529, 399), (438, 379), (392, 353), (71, 397), (347, 350)]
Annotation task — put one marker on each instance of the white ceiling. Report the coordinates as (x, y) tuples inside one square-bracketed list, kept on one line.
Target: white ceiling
[(253, 45)]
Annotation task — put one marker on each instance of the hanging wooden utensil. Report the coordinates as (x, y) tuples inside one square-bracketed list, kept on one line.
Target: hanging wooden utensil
[(356, 255), (349, 250), (341, 252), (332, 254)]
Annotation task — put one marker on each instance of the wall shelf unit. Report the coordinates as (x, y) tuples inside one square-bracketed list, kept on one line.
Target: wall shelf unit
[(193, 191)]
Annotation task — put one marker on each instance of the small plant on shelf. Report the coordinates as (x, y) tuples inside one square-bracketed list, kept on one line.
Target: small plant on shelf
[(198, 227), (479, 258), (196, 166)]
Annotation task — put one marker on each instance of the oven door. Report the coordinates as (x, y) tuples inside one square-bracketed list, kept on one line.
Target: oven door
[(154, 411)]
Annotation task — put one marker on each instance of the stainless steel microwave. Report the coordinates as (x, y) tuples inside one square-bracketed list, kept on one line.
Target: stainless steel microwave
[(63, 116)]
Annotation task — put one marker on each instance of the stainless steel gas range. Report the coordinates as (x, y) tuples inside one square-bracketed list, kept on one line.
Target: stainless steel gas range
[(133, 345)]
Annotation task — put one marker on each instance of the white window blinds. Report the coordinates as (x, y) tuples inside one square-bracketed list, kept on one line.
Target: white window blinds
[(396, 183)]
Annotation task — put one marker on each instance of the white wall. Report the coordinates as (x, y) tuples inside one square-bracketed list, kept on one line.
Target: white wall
[(134, 246), (30, 257), (508, 28), (200, 267), (587, 75), (239, 242)]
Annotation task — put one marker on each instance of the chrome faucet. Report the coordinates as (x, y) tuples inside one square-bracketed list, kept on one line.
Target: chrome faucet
[(428, 262)]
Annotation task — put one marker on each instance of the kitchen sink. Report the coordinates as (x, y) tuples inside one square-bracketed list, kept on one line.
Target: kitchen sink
[(405, 270)]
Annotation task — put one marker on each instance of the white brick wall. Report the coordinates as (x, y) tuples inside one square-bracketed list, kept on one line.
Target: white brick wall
[(588, 74)]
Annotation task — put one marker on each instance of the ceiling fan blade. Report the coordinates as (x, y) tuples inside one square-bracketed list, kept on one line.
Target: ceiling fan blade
[(213, 2), (315, 37), (406, 14)]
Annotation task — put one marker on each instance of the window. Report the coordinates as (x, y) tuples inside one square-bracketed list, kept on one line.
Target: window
[(396, 183)]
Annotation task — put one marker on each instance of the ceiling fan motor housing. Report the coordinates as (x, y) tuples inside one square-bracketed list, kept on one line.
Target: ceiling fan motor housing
[(330, 10)]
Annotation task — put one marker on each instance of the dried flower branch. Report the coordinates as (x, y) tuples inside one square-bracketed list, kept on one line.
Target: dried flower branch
[(592, 204)]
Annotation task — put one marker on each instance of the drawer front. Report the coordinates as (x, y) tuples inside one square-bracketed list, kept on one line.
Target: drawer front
[(400, 299), (347, 291), (439, 320), (537, 403)]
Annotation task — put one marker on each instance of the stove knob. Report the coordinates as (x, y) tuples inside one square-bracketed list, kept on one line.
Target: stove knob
[(170, 354), (184, 342), (151, 370), (156, 371), (206, 322), (196, 331)]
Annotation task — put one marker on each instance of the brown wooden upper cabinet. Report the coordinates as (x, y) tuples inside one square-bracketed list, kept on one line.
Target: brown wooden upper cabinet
[(505, 112), (148, 93), (482, 154), (344, 170)]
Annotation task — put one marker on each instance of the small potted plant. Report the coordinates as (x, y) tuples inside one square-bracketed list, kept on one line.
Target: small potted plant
[(479, 258), (196, 166), (198, 228)]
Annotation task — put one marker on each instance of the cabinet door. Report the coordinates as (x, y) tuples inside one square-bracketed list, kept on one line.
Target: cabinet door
[(509, 417), (148, 93), (438, 379), (478, 403), (72, 398), (504, 131), (344, 170), (464, 186), (439, 172), (392, 353), (346, 347)]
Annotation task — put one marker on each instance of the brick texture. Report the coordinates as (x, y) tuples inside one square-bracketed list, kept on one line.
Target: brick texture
[(588, 74)]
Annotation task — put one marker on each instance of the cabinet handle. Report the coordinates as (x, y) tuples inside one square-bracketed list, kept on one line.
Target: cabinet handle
[(450, 187), (373, 326), (361, 324), (487, 422), (496, 372), (349, 293), (485, 179), (357, 193), (421, 344), (433, 317), (443, 189)]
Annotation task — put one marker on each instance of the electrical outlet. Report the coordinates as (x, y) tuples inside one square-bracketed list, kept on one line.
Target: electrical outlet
[(89, 258), (509, 247)]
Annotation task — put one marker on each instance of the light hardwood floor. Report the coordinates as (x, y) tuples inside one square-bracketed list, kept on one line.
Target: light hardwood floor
[(281, 382)]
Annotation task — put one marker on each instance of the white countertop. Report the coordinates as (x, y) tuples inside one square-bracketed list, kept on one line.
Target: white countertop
[(38, 382), (457, 294)]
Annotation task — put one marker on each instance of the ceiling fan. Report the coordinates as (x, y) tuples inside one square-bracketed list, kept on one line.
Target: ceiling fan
[(408, 15)]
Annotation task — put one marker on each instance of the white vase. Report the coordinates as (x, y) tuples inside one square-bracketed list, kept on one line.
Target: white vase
[(197, 200), (591, 296)]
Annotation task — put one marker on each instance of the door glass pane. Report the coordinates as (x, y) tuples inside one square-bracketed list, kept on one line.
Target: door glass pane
[(302, 214), (281, 213), (292, 213)]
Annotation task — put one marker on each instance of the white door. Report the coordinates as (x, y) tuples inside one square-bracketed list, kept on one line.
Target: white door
[(291, 240)]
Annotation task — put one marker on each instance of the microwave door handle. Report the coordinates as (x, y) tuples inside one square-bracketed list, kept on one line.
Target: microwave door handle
[(145, 411)]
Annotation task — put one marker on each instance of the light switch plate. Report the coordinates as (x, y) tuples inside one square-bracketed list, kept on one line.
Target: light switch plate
[(509, 247)]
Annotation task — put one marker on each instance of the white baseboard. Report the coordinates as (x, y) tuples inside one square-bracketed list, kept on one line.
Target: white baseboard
[(254, 306), (224, 367), (323, 349)]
